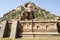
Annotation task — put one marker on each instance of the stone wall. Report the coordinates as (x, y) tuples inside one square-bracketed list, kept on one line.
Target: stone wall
[(17, 28), (39, 26)]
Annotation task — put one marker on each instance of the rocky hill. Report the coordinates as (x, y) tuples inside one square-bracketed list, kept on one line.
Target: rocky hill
[(29, 11)]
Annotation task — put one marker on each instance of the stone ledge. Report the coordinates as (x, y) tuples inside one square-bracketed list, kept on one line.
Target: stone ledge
[(40, 33)]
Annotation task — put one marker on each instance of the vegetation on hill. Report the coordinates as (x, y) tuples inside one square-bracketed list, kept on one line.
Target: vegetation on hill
[(38, 12), (11, 16)]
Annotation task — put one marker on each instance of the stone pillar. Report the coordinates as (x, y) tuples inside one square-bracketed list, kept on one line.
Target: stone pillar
[(29, 26), (13, 29), (35, 26), (2, 29), (55, 27)]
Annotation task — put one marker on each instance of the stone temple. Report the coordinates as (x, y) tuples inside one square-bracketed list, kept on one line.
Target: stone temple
[(28, 26)]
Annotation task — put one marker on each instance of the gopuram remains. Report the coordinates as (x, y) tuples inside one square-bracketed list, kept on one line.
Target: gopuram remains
[(28, 20)]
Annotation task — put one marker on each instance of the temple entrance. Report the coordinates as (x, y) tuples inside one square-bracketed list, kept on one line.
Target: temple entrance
[(58, 27), (27, 15)]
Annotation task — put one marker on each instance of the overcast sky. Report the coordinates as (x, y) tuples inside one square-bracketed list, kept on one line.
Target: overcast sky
[(50, 5)]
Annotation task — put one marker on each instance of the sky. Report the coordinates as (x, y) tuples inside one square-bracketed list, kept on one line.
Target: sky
[(50, 5)]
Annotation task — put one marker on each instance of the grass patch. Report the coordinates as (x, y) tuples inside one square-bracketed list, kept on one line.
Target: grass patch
[(5, 39), (30, 39)]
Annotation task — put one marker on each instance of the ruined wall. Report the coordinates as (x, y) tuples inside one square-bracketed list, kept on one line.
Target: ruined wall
[(39, 26), (17, 28)]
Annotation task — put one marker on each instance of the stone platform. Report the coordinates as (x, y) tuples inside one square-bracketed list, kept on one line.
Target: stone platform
[(39, 34), (18, 29)]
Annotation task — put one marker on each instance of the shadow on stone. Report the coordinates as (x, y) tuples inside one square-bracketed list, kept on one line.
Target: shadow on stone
[(19, 30), (7, 30), (58, 27), (27, 15)]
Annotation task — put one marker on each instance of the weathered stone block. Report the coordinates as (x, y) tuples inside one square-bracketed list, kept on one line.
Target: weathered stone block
[(13, 29), (2, 29)]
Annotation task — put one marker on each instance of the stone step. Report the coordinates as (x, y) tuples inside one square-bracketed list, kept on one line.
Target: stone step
[(28, 36), (40, 34), (41, 30)]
